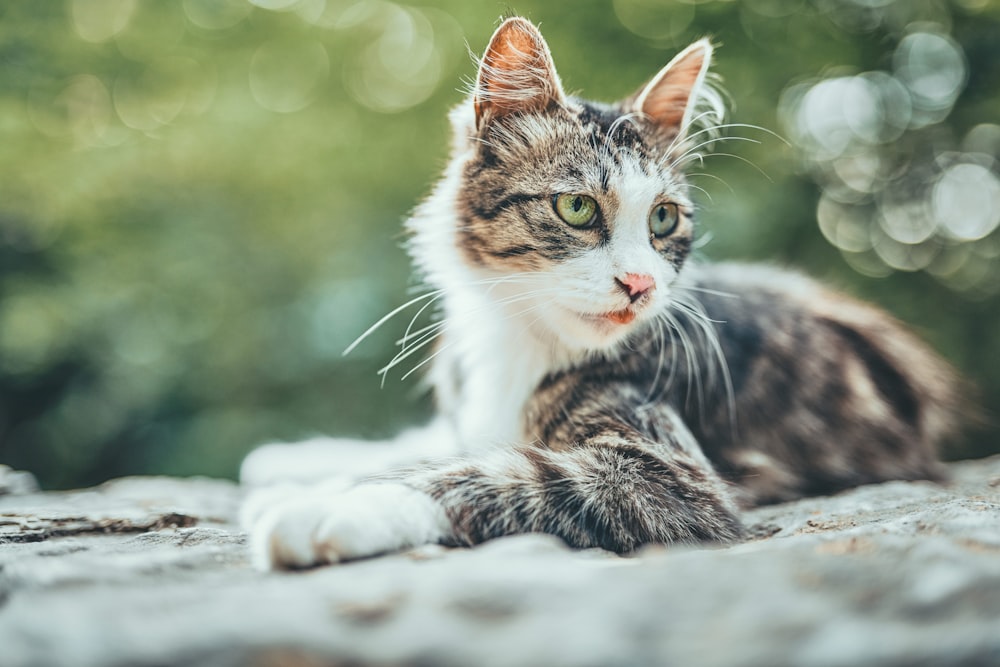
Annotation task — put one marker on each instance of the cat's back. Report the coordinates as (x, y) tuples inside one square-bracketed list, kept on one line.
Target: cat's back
[(819, 391), (764, 314)]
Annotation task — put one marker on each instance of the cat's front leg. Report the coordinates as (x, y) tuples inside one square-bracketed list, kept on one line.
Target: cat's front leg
[(615, 489)]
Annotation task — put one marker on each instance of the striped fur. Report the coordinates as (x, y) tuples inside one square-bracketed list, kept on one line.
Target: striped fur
[(581, 405)]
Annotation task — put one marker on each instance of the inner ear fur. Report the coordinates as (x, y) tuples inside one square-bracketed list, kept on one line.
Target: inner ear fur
[(516, 73), (668, 100)]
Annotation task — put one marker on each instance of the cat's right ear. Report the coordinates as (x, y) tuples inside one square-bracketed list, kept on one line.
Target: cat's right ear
[(669, 99), (516, 74)]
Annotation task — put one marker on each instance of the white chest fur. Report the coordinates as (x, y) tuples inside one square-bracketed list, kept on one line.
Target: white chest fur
[(491, 360)]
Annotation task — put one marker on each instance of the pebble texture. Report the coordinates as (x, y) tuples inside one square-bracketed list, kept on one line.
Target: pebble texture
[(154, 571)]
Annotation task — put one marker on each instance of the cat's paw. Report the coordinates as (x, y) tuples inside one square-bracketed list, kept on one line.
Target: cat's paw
[(366, 520), (262, 500)]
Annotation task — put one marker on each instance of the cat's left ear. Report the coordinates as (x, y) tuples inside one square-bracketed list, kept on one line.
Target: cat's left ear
[(668, 99)]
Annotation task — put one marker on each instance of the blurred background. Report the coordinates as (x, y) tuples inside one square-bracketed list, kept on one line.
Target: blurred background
[(200, 201)]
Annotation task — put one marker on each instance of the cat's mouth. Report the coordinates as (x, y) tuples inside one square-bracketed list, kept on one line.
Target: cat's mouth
[(623, 316)]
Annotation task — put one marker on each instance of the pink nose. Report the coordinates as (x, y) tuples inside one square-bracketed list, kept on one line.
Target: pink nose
[(636, 284)]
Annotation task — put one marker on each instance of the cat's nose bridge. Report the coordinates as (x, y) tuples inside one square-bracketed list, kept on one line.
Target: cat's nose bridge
[(635, 284)]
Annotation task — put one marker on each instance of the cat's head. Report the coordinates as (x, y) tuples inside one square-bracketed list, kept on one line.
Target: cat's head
[(574, 213)]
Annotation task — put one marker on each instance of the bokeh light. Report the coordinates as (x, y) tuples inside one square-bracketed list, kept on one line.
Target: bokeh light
[(401, 67), (276, 5), (871, 142), (932, 68), (285, 75), (157, 94), (216, 14), (653, 19), (966, 201), (100, 20)]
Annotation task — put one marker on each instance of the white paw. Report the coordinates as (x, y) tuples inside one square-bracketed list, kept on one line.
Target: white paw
[(321, 528), (262, 500)]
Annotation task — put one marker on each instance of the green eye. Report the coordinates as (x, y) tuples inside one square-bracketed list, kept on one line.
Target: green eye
[(576, 210), (663, 219)]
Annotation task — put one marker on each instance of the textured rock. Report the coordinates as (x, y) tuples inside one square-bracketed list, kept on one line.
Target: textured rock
[(154, 572), (16, 481)]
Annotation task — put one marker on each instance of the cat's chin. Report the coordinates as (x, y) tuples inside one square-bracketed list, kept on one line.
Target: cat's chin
[(594, 331)]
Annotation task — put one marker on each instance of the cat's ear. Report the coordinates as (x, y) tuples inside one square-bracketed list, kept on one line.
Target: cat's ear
[(516, 74), (668, 100)]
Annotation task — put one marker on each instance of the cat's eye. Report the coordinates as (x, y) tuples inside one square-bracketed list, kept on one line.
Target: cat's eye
[(575, 210), (663, 219)]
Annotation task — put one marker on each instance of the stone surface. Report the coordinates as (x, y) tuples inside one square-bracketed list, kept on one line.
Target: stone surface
[(153, 571), (16, 481)]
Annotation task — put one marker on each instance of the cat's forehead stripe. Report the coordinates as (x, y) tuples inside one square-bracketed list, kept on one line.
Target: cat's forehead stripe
[(608, 124)]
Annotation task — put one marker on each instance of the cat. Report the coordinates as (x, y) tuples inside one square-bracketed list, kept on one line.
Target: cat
[(592, 383)]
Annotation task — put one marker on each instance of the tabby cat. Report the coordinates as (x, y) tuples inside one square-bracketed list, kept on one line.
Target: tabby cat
[(593, 384)]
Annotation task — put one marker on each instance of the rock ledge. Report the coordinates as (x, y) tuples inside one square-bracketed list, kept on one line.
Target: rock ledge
[(153, 571)]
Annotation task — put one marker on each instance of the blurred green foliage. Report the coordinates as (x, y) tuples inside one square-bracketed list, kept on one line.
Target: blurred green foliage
[(200, 201)]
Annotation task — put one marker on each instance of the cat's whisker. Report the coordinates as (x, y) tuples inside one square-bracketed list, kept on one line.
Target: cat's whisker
[(522, 277), (424, 362), (423, 341), (447, 346), (522, 283), (529, 327), (705, 290), (713, 131), (504, 301), (713, 177), (527, 295), (698, 320), (696, 311), (420, 311), (701, 189), (702, 240), (402, 342), (741, 159), (679, 161), (405, 353), (751, 126), (683, 136), (693, 353), (433, 295), (672, 373), (659, 364), (418, 341), (693, 308), (530, 308), (679, 340), (690, 360), (436, 294), (726, 126)]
